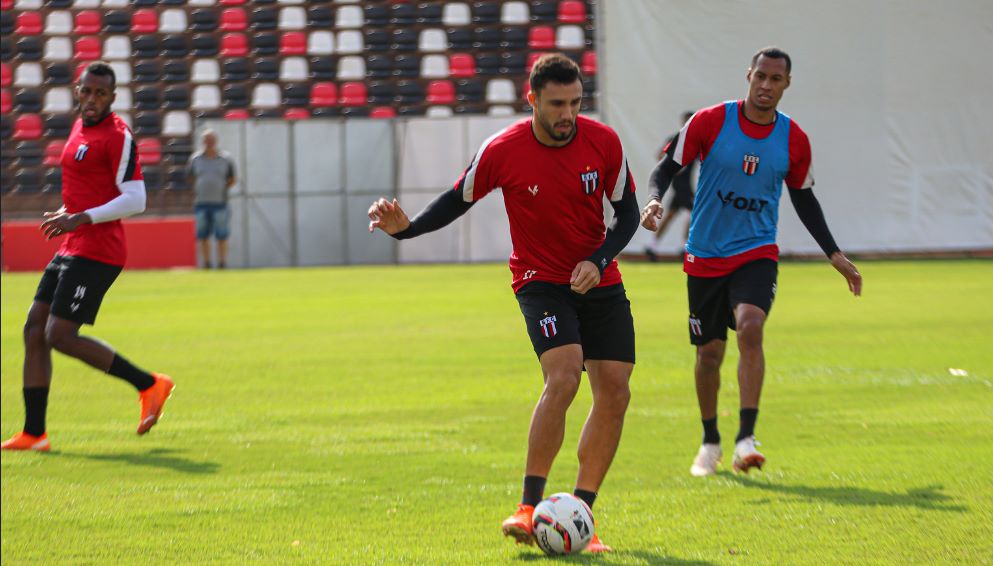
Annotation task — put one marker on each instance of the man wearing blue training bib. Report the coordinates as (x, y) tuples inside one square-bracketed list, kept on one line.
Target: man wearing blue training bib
[(747, 150)]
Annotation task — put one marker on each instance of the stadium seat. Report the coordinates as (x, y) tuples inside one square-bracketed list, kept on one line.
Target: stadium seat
[(204, 45), (441, 92), (53, 153), (147, 72), (320, 17), (117, 47), (544, 11), (29, 23), (572, 12), (351, 68), (350, 42), (234, 45), (117, 21), (487, 39), (235, 70), (6, 132), (378, 40), (323, 68), (293, 43), (439, 112), (485, 13), (265, 44), (589, 85), (145, 46), (235, 96), (205, 71), (177, 179), (541, 37), (292, 18), (58, 22), (461, 65), (175, 71), (203, 20), (456, 14), (406, 66), (570, 37), (352, 94), (122, 99), (500, 91), (153, 177), (349, 17), (88, 22), (58, 100), (514, 38), (459, 39), (379, 66), (233, 19), (176, 151), (513, 63), (55, 74), (383, 112), (206, 97), (81, 4), (515, 13), (500, 110), (380, 92), (58, 49), (434, 67), (144, 21), (429, 14), (376, 14), (432, 40), (177, 123), (147, 98), (115, 3), (488, 64), (149, 151), (7, 49), (293, 69), (409, 111), (320, 43), (324, 94), (29, 153), (8, 21), (266, 95), (6, 101), (28, 75), (30, 48), (174, 46), (27, 100), (264, 18), (588, 64), (404, 40), (266, 69), (6, 76), (403, 14), (237, 114), (202, 2), (122, 69), (296, 94), (28, 180), (409, 92), (88, 49), (27, 127), (296, 114), (232, 2)]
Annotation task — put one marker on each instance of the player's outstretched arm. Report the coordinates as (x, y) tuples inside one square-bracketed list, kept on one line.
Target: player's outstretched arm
[(388, 217), (442, 211)]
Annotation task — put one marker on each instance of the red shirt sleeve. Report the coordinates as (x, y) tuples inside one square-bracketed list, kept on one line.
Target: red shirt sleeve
[(801, 173), (477, 180), (123, 155), (698, 135), (618, 175)]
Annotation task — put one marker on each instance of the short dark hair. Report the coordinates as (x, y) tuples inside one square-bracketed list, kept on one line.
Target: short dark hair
[(102, 69), (553, 67), (772, 53)]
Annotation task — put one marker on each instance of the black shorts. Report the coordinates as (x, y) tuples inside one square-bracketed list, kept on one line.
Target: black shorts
[(682, 198), (713, 299), (75, 286), (599, 321)]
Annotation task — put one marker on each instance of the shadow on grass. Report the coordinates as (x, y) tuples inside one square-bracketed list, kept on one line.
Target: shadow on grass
[(616, 557), (929, 497), (154, 458)]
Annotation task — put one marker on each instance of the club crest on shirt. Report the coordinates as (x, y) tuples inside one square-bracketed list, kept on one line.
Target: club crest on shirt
[(750, 164), (81, 151), (590, 179)]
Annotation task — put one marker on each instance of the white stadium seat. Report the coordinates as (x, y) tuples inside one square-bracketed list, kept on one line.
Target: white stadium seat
[(350, 41), (515, 13), (293, 69), (456, 14), (293, 18), (58, 23), (570, 37), (432, 40), (206, 97), (434, 66), (117, 47), (58, 49), (266, 95), (59, 100), (351, 68), (177, 123), (28, 74), (205, 71), (172, 21), (500, 91), (320, 43)]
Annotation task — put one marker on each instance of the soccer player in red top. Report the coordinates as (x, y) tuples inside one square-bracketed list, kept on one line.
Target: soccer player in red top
[(747, 150), (554, 170), (101, 183)]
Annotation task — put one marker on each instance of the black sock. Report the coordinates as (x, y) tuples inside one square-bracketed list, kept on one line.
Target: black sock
[(35, 405), (747, 427), (123, 369), (710, 434), (534, 490), (588, 496)]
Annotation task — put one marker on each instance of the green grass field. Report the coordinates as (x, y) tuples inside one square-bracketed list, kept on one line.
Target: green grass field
[(379, 416)]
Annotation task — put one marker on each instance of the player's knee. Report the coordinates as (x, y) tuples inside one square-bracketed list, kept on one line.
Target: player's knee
[(58, 338), (710, 356), (750, 333), (34, 333), (614, 397), (562, 386)]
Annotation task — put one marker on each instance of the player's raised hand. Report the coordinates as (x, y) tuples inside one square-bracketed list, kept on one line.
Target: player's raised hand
[(584, 277), (651, 215), (848, 270), (387, 216)]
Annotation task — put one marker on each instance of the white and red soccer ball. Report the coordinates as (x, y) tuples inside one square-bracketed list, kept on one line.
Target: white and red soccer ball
[(562, 524)]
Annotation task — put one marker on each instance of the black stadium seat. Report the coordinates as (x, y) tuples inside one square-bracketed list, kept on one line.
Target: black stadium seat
[(264, 18), (53, 180), (296, 94), (323, 68), (174, 46), (7, 22), (487, 64), (265, 44), (429, 13), (320, 17), (409, 92), (376, 15), (175, 71), (153, 177), (29, 153), (146, 98), (204, 45), (459, 39), (145, 46), (378, 40), (147, 72), (470, 90), (235, 70), (176, 97), (403, 14), (58, 125), (117, 21), (407, 66), (486, 12), (27, 100), (514, 37), (544, 11), (379, 66), (29, 48), (513, 63), (28, 180), (235, 96), (203, 20), (404, 40), (58, 74), (381, 92), (266, 69), (487, 39)]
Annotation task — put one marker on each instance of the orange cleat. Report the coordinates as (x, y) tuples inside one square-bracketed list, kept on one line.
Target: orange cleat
[(152, 401), (596, 546), (518, 525), (25, 441)]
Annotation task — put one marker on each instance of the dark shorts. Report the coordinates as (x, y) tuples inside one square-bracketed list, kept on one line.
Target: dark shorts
[(682, 198), (713, 299), (600, 321), (213, 220), (75, 286)]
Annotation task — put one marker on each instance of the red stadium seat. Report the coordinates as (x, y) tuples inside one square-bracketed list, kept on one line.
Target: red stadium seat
[(293, 43), (353, 94), (572, 12), (541, 37), (53, 153), (441, 92), (88, 48), (296, 114), (29, 23), (234, 19), (324, 95), (588, 63), (238, 114), (6, 75), (461, 65), (27, 127), (232, 2), (234, 45), (6, 4), (88, 22), (145, 20), (6, 101), (383, 112), (149, 151)]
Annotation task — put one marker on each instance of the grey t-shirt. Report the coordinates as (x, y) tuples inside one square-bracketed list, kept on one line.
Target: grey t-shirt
[(210, 177)]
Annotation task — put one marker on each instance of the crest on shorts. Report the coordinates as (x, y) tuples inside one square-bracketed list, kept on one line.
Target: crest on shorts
[(696, 327), (548, 326), (590, 179), (81, 151), (750, 164)]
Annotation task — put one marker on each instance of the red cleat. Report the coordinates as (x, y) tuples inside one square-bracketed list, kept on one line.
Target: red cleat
[(25, 441), (518, 525), (596, 546), (152, 401)]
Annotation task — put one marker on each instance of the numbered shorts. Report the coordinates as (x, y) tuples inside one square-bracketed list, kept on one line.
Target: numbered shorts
[(213, 220), (75, 286), (600, 321), (713, 299)]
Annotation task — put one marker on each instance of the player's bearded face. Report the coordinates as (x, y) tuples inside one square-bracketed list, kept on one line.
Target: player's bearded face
[(556, 108), (95, 95), (766, 82)]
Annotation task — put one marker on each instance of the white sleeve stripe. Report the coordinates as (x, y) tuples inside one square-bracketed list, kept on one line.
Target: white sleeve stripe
[(622, 178), (126, 157), (681, 141), (470, 176), (808, 182)]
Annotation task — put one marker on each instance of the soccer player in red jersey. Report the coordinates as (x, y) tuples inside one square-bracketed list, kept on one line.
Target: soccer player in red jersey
[(747, 151), (101, 183), (554, 170)]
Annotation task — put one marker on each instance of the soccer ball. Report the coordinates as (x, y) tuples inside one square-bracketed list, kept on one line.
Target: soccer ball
[(562, 524)]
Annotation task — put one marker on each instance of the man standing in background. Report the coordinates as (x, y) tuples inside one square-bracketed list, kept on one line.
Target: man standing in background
[(211, 172)]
